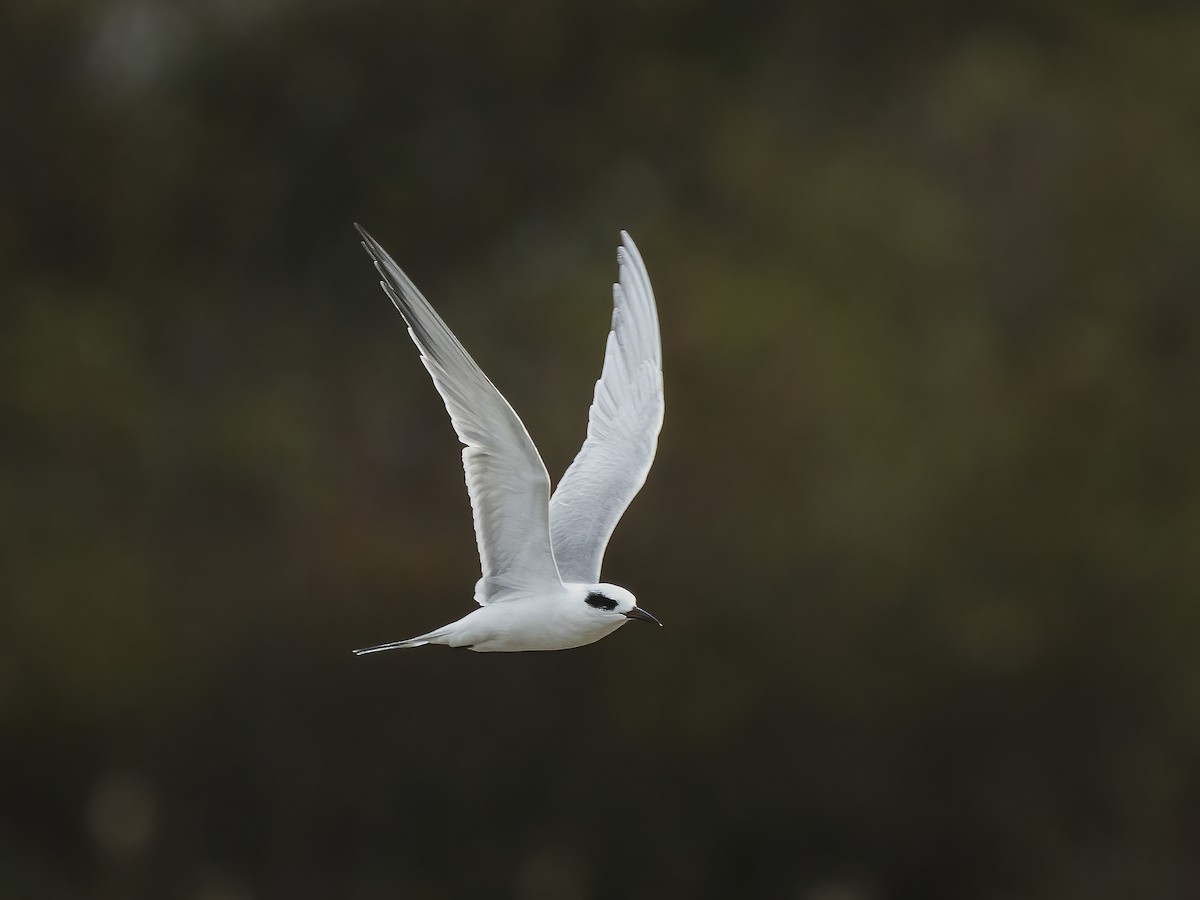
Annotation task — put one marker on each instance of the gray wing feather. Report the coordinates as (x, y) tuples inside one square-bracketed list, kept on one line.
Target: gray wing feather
[(623, 426), (506, 478)]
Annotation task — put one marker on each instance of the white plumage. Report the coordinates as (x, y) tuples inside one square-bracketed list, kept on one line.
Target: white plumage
[(540, 555)]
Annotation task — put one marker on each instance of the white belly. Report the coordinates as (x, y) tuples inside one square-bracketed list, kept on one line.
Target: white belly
[(511, 626)]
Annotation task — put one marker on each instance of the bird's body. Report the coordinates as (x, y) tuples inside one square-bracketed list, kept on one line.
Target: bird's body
[(547, 620), (541, 554)]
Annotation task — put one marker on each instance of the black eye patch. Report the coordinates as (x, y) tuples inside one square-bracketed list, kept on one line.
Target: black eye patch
[(601, 602)]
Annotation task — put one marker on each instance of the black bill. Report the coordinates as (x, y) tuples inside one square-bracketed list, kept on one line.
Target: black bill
[(642, 616)]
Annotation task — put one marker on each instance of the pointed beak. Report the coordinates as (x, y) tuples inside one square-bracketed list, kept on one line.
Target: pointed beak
[(641, 615)]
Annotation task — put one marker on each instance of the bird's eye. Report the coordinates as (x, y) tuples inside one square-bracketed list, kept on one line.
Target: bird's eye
[(600, 601)]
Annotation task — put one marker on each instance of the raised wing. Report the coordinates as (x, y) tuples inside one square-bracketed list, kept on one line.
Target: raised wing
[(506, 477), (623, 426)]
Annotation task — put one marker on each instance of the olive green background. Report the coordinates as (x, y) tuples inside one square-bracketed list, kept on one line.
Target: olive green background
[(923, 527)]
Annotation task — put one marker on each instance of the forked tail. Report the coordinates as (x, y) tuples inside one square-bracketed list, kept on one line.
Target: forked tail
[(430, 638), (395, 645)]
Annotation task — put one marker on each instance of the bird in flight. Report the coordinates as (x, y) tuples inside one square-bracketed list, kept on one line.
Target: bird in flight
[(540, 555)]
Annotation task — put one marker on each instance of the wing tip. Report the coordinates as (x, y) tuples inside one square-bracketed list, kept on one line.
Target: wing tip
[(629, 246), (371, 245), (630, 258)]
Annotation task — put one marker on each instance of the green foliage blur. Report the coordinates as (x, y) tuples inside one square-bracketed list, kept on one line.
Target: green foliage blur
[(923, 528)]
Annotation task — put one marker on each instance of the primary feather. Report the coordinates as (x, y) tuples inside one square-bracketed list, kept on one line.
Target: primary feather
[(506, 478)]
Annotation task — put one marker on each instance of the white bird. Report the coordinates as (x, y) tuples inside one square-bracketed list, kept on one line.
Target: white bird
[(540, 555)]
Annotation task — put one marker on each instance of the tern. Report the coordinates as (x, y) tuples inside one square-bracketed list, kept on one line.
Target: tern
[(540, 555)]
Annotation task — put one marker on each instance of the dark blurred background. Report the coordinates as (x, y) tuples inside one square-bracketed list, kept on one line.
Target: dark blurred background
[(923, 527)]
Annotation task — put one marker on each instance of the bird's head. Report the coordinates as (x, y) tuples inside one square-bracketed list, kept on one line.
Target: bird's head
[(617, 604)]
